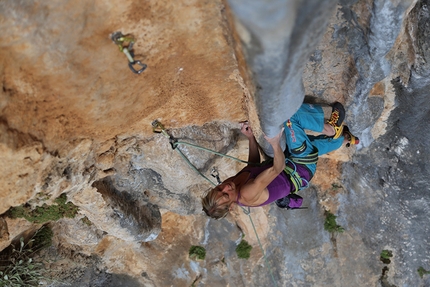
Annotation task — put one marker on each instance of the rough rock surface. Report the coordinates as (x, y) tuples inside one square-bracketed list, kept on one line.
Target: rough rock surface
[(74, 119), (73, 113), (279, 36)]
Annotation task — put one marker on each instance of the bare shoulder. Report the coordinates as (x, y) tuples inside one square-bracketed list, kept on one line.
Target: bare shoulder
[(252, 194)]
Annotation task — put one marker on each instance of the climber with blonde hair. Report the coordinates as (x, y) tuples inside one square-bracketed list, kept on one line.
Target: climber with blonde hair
[(258, 185)]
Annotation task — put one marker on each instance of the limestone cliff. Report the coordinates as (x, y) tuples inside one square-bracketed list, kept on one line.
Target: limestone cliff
[(75, 119)]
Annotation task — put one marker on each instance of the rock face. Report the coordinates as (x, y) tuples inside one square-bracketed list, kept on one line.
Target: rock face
[(279, 36), (73, 113), (74, 119)]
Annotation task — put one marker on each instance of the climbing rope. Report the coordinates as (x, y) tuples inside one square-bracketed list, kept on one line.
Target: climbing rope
[(212, 151), (157, 127), (248, 212)]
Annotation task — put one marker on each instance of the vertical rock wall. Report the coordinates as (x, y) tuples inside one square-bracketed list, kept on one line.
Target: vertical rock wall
[(72, 111), (279, 36), (74, 119)]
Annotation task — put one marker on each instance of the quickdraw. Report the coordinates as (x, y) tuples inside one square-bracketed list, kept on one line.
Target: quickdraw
[(125, 44), (215, 174)]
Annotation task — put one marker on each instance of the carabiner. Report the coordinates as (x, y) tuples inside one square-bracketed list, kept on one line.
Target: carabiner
[(158, 127), (215, 174), (130, 65)]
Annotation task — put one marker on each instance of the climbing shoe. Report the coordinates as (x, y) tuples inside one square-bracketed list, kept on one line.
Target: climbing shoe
[(336, 119), (353, 140)]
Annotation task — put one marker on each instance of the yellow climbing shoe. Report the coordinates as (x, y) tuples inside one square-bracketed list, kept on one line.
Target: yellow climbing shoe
[(336, 119)]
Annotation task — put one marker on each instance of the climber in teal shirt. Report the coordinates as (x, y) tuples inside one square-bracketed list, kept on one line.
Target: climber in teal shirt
[(258, 185)]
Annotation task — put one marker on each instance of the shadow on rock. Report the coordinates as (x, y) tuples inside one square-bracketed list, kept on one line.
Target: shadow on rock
[(140, 218)]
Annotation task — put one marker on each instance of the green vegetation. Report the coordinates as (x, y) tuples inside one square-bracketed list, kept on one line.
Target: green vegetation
[(385, 256), (335, 186), (45, 213), (330, 223), (243, 250), (422, 271), (18, 268), (86, 221), (197, 253), (42, 238)]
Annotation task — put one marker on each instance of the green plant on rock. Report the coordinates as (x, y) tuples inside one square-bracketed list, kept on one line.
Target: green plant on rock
[(385, 256), (42, 238), (422, 271), (18, 268), (330, 223), (197, 252), (86, 221), (243, 250), (45, 213), (335, 186)]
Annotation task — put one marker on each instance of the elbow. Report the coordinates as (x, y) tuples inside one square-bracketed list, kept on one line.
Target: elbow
[(282, 168), (279, 169)]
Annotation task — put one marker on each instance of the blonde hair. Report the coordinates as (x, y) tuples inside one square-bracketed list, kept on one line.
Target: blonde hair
[(211, 206)]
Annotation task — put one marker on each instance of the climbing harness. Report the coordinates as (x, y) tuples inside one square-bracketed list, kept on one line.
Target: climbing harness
[(295, 178), (158, 127), (125, 44), (292, 173), (311, 158)]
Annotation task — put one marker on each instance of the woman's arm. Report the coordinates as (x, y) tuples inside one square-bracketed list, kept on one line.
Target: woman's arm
[(254, 153), (252, 191), (278, 154)]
